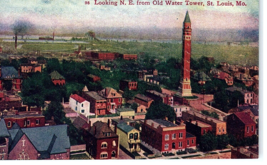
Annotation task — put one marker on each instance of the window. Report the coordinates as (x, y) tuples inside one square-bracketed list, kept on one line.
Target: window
[(135, 136), (28, 122), (252, 128), (75, 108), (247, 128), (113, 143), (103, 155), (37, 121), (82, 105), (180, 144), (119, 100), (9, 124), (112, 100), (166, 147), (104, 145), (188, 142), (113, 154), (167, 137), (82, 110), (131, 136), (25, 123), (192, 141), (108, 107), (76, 102), (174, 136), (180, 135)]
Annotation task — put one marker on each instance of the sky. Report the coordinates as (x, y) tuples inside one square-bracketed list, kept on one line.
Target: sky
[(56, 14)]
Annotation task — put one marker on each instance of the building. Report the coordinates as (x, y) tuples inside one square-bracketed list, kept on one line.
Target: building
[(126, 112), (198, 128), (178, 109), (11, 101), (157, 96), (114, 99), (240, 125), (129, 137), (130, 84), (9, 73), (48, 142), (166, 136), (218, 126), (249, 96), (24, 119), (93, 78), (98, 104), (57, 78), (129, 56), (143, 100), (229, 80), (102, 142), (30, 68), (252, 110), (251, 152), (79, 104), (186, 86)]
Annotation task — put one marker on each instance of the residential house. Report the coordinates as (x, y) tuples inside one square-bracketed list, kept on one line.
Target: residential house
[(229, 80), (98, 104), (57, 78), (198, 128), (114, 99), (240, 125), (130, 84), (218, 126), (252, 110), (48, 142), (244, 78), (30, 68), (166, 136), (129, 137), (9, 73), (143, 100), (251, 152), (178, 109), (79, 104), (157, 96), (249, 96), (129, 56), (102, 142)]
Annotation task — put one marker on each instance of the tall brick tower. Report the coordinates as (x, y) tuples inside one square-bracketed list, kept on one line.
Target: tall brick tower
[(186, 87)]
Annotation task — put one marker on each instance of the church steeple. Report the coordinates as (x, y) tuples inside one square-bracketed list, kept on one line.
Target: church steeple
[(187, 18)]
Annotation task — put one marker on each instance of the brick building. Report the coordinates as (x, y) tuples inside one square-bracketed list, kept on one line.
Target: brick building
[(129, 56), (30, 68), (49, 142), (9, 73), (240, 125), (218, 126), (157, 96), (178, 109), (57, 78), (166, 136), (198, 128), (251, 152), (101, 141), (98, 104), (114, 99), (143, 100), (132, 85), (249, 96)]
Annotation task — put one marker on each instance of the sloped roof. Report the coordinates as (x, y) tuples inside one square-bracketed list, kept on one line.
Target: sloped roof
[(55, 75), (99, 130), (187, 18), (77, 98), (143, 97), (124, 127), (109, 93), (9, 72), (80, 123), (47, 139), (3, 129), (94, 95), (244, 117)]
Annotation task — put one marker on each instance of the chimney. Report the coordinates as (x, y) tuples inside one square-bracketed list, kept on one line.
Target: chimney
[(108, 122)]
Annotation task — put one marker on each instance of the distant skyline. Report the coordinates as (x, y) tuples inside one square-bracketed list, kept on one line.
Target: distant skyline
[(74, 14)]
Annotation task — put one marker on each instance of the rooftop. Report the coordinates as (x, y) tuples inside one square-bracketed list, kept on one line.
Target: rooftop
[(244, 117), (124, 127), (55, 75), (77, 98), (9, 72), (162, 123), (95, 95), (204, 116), (101, 130), (143, 97), (189, 135), (124, 109), (200, 124), (157, 93)]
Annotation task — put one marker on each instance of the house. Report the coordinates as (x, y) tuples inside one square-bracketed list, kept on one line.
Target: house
[(93, 78), (9, 73), (178, 109), (218, 126), (143, 100), (198, 128), (157, 96), (249, 96), (166, 136), (129, 137), (130, 84), (126, 112), (81, 122), (114, 99), (79, 104), (30, 68), (10, 101), (24, 119), (129, 56), (102, 142), (240, 125), (229, 80), (244, 78), (141, 109), (48, 142), (252, 110), (57, 78), (251, 152), (98, 104)]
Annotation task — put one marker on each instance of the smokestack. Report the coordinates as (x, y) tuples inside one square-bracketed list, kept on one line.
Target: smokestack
[(16, 38)]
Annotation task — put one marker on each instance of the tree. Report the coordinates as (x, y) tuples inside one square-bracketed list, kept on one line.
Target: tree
[(127, 94), (134, 106), (159, 110), (208, 142), (55, 109), (223, 141)]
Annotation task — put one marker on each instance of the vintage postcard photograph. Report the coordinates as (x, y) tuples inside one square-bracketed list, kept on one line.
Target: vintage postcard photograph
[(129, 79)]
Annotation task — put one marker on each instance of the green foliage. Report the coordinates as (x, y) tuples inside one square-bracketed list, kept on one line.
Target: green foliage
[(159, 110), (128, 94), (212, 114), (53, 65), (208, 142), (223, 141), (134, 106)]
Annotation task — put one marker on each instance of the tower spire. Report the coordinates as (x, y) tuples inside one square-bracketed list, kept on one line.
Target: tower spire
[(187, 18)]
